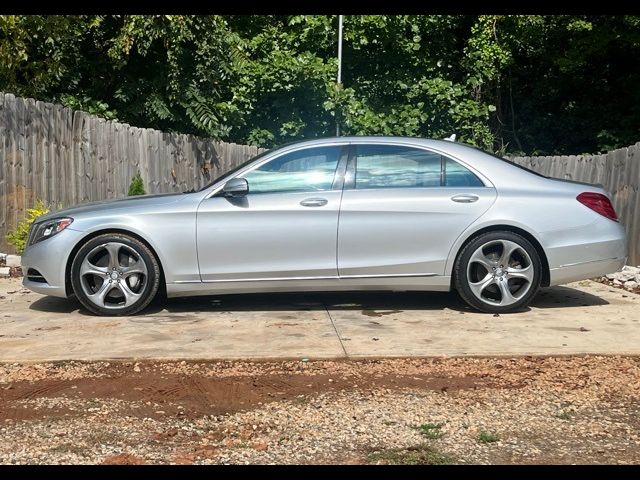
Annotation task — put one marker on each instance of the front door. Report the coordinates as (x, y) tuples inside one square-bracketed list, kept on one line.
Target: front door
[(285, 228), (402, 209)]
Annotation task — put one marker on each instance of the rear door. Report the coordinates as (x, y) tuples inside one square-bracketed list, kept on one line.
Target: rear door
[(402, 208)]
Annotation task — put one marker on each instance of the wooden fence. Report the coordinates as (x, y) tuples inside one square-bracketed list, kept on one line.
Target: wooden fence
[(67, 157)]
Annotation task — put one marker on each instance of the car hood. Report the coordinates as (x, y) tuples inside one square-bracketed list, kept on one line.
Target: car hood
[(122, 203)]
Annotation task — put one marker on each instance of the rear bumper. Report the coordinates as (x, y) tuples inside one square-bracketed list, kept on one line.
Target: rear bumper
[(585, 252), (581, 271), (49, 258)]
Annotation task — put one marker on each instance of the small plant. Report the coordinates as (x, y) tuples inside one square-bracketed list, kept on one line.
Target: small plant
[(136, 187), (419, 455), (18, 237), (563, 415), (431, 430), (488, 437)]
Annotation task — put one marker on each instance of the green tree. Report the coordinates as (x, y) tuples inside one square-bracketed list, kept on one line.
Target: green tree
[(510, 83)]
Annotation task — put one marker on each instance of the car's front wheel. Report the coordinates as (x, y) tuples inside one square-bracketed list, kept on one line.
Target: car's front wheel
[(115, 274), (498, 272)]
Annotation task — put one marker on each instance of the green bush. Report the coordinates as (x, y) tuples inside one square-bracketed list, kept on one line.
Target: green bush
[(136, 187), (18, 237)]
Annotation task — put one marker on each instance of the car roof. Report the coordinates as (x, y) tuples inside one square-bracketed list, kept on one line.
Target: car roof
[(368, 138), (448, 146)]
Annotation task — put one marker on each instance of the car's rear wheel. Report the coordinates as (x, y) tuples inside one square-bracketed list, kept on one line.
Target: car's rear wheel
[(115, 274), (498, 272)]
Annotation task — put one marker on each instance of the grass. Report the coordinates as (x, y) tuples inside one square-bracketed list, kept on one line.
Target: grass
[(418, 455), (431, 430), (563, 415), (488, 437)]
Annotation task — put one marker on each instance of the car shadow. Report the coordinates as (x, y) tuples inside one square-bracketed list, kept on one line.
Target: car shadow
[(562, 297), (370, 303)]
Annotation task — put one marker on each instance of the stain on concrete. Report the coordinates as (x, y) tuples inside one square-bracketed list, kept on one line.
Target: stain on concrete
[(374, 313)]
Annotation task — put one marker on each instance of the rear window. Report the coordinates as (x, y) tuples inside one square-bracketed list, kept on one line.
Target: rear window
[(507, 161)]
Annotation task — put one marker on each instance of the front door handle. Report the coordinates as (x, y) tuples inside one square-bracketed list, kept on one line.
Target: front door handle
[(465, 198), (314, 202)]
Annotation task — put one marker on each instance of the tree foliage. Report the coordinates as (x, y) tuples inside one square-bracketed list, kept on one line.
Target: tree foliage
[(530, 84)]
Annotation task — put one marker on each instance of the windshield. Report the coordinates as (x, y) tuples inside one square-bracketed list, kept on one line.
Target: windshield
[(234, 170), (244, 164)]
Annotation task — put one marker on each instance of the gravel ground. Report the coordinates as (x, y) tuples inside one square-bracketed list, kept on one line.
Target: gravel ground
[(450, 410)]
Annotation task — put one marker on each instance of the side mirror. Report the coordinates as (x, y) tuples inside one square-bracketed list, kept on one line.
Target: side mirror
[(236, 187)]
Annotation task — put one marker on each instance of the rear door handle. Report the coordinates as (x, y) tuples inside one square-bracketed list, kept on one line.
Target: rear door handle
[(314, 202), (465, 198)]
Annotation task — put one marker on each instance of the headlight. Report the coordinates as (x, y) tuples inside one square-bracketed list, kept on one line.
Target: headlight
[(42, 231)]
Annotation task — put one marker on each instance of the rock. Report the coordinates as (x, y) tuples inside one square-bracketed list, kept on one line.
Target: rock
[(617, 282), (625, 276), (13, 260), (628, 273), (5, 271), (15, 272), (136, 369), (631, 284)]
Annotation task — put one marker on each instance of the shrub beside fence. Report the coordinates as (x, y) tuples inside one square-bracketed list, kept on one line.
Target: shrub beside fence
[(67, 157)]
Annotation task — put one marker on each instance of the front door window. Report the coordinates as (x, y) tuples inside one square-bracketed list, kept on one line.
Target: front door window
[(307, 170)]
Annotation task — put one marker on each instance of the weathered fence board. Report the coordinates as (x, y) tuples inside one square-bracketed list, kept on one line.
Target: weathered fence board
[(67, 157)]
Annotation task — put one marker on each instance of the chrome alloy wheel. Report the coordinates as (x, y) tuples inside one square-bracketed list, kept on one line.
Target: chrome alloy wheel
[(113, 275), (500, 272)]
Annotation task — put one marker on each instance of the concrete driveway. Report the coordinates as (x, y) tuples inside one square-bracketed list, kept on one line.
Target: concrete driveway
[(584, 317)]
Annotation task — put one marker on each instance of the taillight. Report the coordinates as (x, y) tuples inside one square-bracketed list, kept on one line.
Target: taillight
[(598, 203)]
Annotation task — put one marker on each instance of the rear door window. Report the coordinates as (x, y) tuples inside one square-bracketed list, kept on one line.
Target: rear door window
[(396, 166)]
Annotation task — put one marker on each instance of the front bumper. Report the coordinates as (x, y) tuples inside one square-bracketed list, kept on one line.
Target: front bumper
[(49, 258)]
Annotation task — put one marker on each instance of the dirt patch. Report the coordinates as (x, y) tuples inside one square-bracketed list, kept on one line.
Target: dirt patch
[(199, 395), (540, 410), (123, 459)]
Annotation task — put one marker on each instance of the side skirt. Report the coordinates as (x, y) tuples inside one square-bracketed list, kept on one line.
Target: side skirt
[(437, 283)]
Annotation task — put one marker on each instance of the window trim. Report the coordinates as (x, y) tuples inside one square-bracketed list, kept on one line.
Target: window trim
[(350, 178)]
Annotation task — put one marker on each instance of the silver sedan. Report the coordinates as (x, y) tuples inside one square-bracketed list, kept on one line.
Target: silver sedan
[(347, 213)]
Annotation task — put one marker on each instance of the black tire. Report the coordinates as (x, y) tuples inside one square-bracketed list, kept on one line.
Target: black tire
[(462, 282), (147, 292)]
